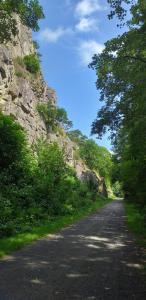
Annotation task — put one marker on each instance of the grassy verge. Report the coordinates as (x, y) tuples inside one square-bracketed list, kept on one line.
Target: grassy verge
[(10, 244), (136, 219)]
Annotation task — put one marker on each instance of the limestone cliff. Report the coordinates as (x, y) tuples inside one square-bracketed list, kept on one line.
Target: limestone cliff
[(20, 93)]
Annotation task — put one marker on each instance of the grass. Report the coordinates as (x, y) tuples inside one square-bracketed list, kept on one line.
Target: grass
[(10, 244), (136, 220)]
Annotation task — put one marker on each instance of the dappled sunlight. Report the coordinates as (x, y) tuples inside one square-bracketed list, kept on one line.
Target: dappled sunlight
[(9, 258), (81, 262), (98, 259), (37, 281), (93, 246), (115, 245), (55, 237), (134, 265), (97, 238), (76, 275)]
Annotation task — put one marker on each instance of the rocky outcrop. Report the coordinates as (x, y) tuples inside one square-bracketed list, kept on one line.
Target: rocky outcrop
[(20, 94), (97, 183)]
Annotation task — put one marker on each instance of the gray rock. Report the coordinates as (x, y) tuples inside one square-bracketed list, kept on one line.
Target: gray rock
[(19, 97)]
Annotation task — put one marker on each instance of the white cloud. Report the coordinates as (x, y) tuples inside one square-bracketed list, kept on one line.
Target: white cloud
[(87, 7), (52, 36), (87, 49), (87, 24)]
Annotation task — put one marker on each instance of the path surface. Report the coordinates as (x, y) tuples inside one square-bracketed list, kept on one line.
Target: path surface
[(94, 259)]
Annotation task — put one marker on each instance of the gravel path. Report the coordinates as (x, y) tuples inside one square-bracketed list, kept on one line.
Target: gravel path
[(94, 259)]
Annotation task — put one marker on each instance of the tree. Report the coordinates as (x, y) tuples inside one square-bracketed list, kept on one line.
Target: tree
[(29, 11), (96, 157), (121, 71), (62, 118), (77, 137), (54, 116)]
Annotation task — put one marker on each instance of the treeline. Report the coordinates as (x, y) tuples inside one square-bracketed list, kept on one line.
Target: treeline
[(121, 72)]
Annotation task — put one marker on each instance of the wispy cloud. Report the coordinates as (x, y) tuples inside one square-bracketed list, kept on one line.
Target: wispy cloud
[(87, 7), (87, 49), (86, 25), (52, 36)]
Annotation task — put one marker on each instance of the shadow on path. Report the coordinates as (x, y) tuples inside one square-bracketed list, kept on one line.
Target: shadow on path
[(94, 259)]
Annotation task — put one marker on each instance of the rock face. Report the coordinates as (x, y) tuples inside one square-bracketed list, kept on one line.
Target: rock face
[(20, 94)]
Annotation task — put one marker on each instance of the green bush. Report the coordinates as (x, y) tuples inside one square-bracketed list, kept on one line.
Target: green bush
[(32, 63), (12, 142), (54, 117), (117, 189), (36, 187)]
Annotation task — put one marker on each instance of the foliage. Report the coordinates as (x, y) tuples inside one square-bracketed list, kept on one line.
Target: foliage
[(117, 189), (136, 219), (96, 157), (54, 116), (32, 63), (77, 137), (51, 225), (50, 176), (29, 11), (35, 186), (121, 79), (15, 156), (36, 48), (119, 8), (19, 74), (12, 142)]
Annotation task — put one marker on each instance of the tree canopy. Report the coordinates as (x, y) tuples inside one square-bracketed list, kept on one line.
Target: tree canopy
[(120, 70)]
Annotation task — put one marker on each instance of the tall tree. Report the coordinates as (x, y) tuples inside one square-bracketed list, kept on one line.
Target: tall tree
[(121, 69)]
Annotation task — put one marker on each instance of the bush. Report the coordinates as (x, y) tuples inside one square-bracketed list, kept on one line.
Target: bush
[(117, 189), (54, 117), (34, 187), (32, 63), (12, 142), (49, 177)]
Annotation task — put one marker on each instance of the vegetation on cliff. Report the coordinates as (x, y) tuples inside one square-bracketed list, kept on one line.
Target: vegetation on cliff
[(29, 11), (36, 183), (35, 186), (54, 117), (97, 158)]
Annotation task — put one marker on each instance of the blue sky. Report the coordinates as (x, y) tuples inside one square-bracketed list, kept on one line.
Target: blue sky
[(71, 33)]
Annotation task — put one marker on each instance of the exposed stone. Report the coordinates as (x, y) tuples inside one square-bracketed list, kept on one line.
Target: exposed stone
[(20, 96)]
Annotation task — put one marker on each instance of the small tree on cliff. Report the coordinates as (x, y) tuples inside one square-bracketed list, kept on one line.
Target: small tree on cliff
[(29, 11)]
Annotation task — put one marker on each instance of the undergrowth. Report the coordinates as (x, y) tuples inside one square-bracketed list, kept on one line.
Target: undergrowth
[(136, 219), (52, 225)]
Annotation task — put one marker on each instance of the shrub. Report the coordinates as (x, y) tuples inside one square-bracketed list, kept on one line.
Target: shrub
[(32, 63), (54, 117), (34, 187), (117, 189), (19, 74), (49, 177), (12, 142)]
